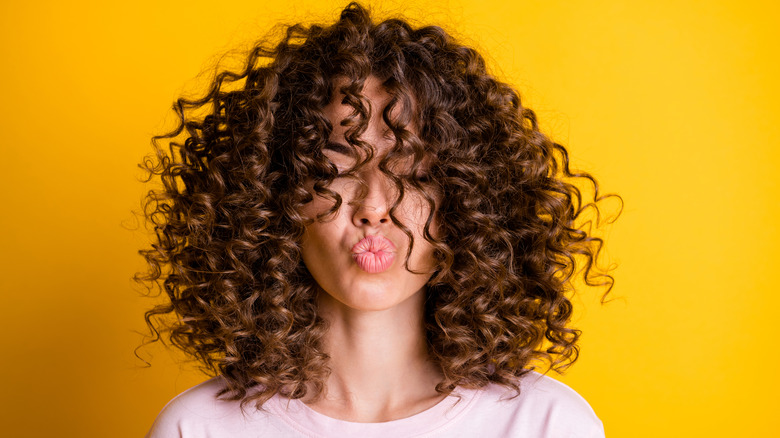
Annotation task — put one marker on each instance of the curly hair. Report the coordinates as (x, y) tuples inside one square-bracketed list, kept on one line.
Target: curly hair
[(228, 225)]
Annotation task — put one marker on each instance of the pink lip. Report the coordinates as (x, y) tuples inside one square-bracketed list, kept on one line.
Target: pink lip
[(374, 254)]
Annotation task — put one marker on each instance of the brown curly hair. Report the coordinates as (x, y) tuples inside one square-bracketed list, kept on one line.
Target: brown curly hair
[(228, 223)]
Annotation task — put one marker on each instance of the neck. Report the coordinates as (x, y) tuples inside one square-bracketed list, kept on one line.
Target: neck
[(380, 368)]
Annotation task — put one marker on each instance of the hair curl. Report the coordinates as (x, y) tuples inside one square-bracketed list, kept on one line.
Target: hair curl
[(228, 228)]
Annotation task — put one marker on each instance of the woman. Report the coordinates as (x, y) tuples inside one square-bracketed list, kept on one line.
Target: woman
[(368, 235)]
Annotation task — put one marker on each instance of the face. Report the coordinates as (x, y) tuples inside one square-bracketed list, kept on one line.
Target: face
[(357, 255)]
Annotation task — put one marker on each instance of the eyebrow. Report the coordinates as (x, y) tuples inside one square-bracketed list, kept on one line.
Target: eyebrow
[(339, 148)]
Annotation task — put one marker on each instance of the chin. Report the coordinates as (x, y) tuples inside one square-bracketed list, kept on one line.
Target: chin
[(377, 301)]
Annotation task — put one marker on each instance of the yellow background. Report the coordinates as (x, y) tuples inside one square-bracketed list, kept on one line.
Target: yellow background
[(672, 104)]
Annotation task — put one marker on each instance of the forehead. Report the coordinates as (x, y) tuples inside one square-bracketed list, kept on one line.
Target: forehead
[(375, 98)]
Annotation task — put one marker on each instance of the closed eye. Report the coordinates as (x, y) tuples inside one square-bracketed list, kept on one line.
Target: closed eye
[(424, 178)]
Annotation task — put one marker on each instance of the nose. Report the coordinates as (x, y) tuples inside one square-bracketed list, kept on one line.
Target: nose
[(374, 208)]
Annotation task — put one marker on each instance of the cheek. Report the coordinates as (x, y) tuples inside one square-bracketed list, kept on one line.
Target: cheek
[(417, 212), (323, 249)]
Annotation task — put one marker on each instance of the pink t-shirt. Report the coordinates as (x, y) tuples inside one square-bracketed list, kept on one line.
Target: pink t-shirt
[(544, 408)]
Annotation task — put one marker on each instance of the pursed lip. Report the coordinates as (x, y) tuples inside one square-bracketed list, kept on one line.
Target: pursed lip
[(374, 254), (374, 243)]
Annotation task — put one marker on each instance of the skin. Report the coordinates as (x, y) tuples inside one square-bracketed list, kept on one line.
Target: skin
[(376, 340)]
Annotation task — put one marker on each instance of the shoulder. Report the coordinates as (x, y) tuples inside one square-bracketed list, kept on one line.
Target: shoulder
[(198, 413), (545, 407), (553, 396)]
